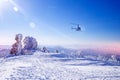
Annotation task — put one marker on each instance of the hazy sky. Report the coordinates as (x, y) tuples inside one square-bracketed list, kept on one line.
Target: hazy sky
[(49, 21)]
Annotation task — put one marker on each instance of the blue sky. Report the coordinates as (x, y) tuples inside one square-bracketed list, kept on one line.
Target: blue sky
[(49, 21)]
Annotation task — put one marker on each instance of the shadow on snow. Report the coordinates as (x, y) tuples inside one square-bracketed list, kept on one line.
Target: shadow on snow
[(85, 61)]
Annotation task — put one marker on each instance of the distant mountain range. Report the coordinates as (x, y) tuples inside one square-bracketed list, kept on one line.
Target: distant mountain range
[(5, 46)]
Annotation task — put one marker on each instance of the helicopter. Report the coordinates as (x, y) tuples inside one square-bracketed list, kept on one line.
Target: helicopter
[(77, 28)]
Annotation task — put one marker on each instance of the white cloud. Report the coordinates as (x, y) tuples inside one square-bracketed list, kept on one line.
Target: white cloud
[(32, 24)]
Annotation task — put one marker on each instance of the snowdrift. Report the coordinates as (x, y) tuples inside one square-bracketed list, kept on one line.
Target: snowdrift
[(55, 66)]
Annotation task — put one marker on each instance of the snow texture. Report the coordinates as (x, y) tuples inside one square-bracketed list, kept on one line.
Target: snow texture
[(55, 66)]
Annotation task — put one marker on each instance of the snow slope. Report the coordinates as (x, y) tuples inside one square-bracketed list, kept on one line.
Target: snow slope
[(55, 66)]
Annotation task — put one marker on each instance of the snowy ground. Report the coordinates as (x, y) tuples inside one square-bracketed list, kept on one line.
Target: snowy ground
[(55, 66)]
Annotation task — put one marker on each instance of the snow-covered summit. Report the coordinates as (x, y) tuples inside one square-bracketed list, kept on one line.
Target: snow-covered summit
[(55, 66)]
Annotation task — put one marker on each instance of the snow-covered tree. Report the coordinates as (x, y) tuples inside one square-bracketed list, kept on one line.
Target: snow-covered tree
[(17, 46), (45, 50), (30, 44)]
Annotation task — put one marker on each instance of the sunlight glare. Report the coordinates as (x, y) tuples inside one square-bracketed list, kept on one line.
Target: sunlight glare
[(3, 4), (15, 9), (32, 24)]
